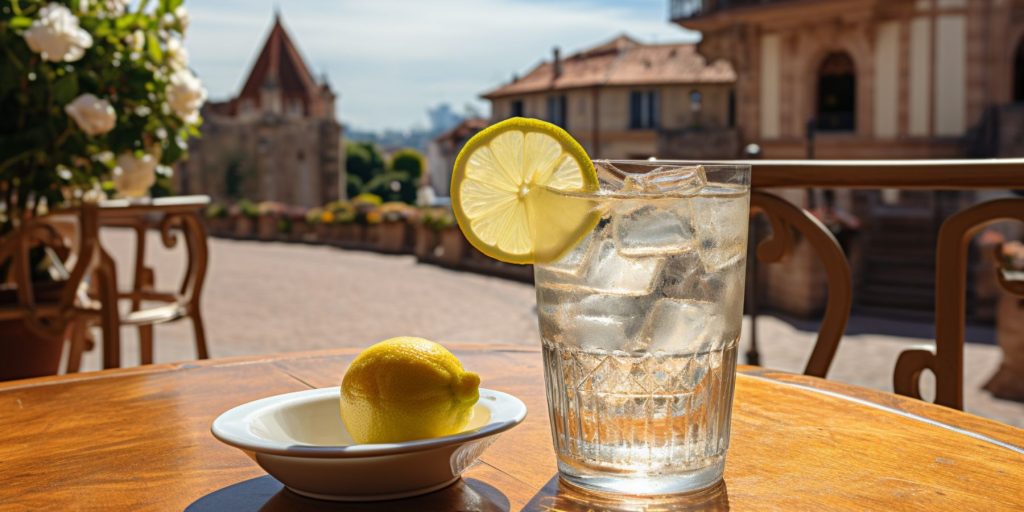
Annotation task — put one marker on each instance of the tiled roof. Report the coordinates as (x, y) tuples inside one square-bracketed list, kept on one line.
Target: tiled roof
[(280, 64), (464, 130), (622, 61)]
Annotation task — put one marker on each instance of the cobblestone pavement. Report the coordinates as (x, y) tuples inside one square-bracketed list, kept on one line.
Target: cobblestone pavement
[(270, 297)]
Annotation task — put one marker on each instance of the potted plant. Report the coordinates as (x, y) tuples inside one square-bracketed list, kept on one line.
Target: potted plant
[(431, 222), (244, 213), (90, 92), (364, 230), (217, 220), (393, 226), (268, 224), (453, 245)]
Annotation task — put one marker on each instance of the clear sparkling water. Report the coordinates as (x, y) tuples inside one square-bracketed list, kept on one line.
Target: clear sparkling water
[(640, 324)]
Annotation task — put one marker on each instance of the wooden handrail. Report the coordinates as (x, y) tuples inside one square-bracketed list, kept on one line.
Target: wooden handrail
[(962, 174)]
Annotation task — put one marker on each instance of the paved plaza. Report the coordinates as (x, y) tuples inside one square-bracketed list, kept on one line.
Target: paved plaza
[(263, 297)]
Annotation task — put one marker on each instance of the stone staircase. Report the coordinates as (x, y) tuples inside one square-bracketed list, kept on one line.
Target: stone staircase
[(897, 274)]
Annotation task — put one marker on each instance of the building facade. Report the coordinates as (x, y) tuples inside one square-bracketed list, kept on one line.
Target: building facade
[(277, 140), (863, 79), (442, 151), (626, 99), (870, 78)]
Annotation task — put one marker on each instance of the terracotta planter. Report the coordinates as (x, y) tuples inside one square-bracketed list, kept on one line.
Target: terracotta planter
[(266, 227), (219, 226), (243, 226), (300, 230), (370, 234), (322, 232), (391, 237), (426, 242), (453, 247), (24, 353)]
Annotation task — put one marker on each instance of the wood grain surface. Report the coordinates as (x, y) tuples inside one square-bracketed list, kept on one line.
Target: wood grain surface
[(138, 439)]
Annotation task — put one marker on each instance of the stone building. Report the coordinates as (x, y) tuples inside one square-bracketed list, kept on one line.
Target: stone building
[(876, 79), (277, 140), (626, 99), (442, 151), (871, 79)]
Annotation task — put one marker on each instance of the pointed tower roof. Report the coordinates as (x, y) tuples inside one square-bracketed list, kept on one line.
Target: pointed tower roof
[(281, 65)]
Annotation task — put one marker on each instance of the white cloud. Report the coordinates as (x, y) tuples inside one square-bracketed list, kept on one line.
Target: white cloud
[(391, 59)]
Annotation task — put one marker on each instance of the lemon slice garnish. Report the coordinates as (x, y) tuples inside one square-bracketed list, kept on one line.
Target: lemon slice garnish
[(518, 191)]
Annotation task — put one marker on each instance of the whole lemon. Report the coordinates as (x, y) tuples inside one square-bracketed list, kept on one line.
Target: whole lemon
[(406, 388)]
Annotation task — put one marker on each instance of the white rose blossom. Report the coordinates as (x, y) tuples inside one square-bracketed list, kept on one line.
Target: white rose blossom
[(136, 41), (185, 94), (177, 55), (93, 115), (134, 175), (56, 35), (116, 8), (183, 18)]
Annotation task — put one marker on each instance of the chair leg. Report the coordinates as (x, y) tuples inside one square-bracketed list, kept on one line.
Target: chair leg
[(145, 344), (78, 342), (110, 319), (200, 333)]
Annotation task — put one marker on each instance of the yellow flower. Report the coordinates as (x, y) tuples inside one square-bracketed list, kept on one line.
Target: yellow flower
[(327, 217)]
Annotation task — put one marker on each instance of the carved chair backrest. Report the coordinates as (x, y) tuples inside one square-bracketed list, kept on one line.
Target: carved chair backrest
[(71, 235), (951, 251)]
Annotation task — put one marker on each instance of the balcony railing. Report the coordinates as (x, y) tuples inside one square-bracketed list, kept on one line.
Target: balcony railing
[(790, 224), (686, 9)]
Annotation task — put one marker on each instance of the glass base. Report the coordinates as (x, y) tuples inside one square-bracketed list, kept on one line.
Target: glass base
[(642, 484)]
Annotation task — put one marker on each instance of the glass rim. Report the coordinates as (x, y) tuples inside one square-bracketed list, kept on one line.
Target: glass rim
[(707, 164)]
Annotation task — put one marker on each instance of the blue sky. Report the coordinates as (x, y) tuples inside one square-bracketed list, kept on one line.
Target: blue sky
[(391, 59)]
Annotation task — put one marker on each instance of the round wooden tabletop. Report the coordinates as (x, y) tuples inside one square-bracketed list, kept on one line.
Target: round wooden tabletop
[(139, 439)]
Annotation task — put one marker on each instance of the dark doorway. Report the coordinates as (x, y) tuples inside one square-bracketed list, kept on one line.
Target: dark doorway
[(1018, 73), (837, 93)]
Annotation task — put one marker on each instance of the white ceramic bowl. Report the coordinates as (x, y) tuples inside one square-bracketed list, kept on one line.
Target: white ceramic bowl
[(299, 439)]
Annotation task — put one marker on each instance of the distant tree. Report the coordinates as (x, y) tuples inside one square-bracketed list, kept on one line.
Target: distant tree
[(407, 169), (363, 163)]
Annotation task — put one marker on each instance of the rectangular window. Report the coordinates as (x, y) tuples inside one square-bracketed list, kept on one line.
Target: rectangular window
[(516, 109), (643, 110), (557, 110)]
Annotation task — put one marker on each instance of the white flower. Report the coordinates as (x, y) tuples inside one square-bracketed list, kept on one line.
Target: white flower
[(93, 115), (133, 175), (177, 55), (56, 35), (116, 7), (136, 41), (185, 94), (183, 18), (83, 5)]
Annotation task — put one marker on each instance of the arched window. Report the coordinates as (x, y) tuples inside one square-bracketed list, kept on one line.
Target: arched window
[(837, 93), (1018, 73)]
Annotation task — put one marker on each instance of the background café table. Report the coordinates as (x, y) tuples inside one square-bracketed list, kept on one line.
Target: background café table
[(138, 439)]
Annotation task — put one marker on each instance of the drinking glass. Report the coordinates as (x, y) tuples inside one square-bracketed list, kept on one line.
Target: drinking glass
[(640, 324)]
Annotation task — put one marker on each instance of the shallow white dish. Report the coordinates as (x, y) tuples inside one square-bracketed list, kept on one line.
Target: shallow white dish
[(300, 440)]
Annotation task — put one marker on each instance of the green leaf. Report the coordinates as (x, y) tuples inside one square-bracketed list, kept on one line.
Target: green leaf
[(18, 22), (65, 88), (153, 46)]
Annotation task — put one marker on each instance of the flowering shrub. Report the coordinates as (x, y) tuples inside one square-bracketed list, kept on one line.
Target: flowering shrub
[(396, 211), (437, 219), (90, 90)]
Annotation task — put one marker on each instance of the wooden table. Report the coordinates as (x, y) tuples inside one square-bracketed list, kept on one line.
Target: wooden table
[(138, 439), (170, 216)]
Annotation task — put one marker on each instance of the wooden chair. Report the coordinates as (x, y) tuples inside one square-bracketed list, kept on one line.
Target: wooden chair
[(70, 238), (179, 217), (945, 361)]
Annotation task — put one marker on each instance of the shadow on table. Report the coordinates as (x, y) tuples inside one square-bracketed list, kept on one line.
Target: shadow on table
[(266, 494), (556, 496)]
